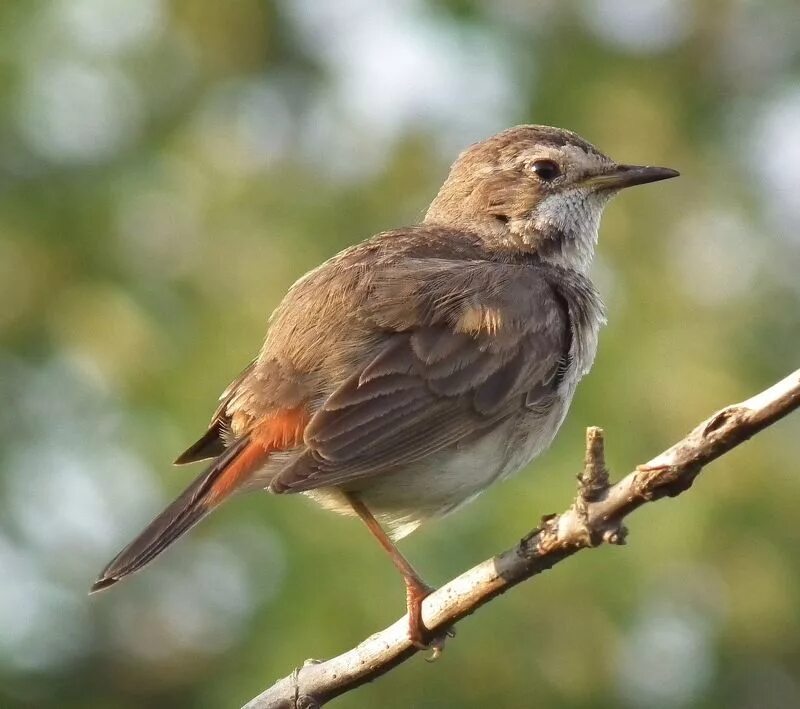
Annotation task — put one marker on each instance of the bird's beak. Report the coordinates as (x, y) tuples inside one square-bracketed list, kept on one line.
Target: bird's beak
[(621, 176)]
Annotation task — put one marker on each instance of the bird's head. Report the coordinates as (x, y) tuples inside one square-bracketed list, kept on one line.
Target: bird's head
[(538, 189)]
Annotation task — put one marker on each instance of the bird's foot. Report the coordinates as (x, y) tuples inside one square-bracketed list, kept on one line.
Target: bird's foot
[(419, 635)]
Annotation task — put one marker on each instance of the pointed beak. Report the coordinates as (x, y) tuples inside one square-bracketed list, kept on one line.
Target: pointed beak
[(622, 176)]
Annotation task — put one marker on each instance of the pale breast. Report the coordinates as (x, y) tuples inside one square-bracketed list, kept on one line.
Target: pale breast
[(404, 499)]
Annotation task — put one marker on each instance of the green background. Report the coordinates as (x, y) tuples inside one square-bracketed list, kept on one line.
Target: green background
[(168, 169)]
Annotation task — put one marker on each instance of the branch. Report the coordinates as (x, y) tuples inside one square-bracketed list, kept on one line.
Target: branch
[(595, 517)]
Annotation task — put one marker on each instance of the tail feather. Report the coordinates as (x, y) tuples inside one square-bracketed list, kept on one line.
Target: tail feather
[(210, 445), (215, 484)]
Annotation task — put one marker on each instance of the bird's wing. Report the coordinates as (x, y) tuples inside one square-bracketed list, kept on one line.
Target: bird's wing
[(465, 343)]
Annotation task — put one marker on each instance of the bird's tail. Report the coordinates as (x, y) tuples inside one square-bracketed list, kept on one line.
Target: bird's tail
[(220, 479)]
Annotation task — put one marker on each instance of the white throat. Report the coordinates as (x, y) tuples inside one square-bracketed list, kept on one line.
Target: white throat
[(574, 219)]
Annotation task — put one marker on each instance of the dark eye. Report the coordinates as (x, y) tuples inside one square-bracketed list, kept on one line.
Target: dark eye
[(546, 170)]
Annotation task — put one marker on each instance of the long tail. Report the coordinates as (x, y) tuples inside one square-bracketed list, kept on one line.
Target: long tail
[(219, 480)]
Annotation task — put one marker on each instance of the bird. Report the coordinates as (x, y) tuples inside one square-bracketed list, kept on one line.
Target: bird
[(409, 372)]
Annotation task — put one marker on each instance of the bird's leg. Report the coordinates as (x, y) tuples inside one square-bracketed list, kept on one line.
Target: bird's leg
[(416, 589)]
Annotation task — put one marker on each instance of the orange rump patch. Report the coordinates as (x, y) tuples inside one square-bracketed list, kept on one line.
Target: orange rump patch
[(278, 430), (281, 429)]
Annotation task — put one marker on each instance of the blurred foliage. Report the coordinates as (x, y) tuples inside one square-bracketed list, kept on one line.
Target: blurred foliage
[(167, 169)]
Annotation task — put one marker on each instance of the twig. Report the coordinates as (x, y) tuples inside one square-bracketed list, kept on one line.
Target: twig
[(595, 517)]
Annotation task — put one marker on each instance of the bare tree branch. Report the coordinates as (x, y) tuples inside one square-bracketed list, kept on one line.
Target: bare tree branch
[(595, 517)]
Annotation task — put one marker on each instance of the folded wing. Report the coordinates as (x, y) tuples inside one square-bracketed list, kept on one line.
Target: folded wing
[(466, 345)]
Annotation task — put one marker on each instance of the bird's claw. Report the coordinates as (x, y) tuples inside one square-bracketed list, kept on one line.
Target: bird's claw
[(419, 635), (436, 644)]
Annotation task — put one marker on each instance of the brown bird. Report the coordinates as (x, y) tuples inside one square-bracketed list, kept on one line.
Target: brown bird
[(406, 374)]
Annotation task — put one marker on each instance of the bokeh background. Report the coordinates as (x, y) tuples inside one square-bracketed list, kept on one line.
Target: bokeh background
[(169, 168)]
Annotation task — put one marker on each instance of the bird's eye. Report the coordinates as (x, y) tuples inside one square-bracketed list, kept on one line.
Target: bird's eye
[(546, 170)]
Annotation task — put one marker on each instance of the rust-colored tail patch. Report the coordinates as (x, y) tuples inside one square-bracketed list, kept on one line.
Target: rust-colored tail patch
[(280, 430)]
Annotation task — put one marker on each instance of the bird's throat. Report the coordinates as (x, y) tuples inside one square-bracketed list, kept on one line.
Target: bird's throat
[(564, 232)]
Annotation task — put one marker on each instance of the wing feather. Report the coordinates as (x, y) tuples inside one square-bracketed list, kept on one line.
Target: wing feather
[(466, 345)]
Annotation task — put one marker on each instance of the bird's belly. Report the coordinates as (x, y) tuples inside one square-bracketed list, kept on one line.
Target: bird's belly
[(435, 486)]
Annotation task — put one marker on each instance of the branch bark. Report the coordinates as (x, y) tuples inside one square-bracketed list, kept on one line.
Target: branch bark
[(595, 517)]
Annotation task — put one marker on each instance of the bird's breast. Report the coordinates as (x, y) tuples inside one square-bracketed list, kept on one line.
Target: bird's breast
[(405, 498)]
